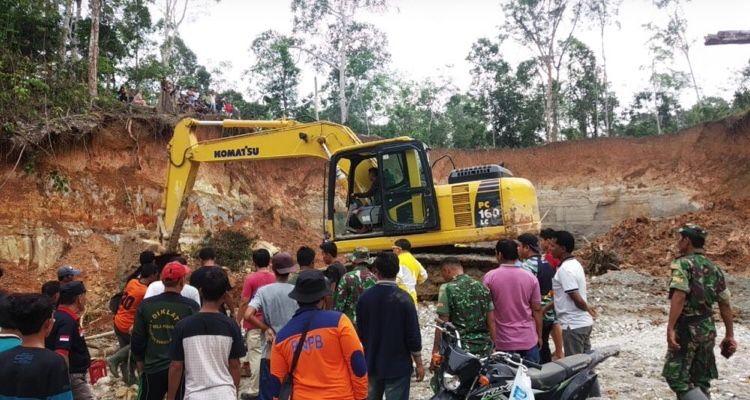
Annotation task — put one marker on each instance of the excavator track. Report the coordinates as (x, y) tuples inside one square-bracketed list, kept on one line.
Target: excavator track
[(476, 260)]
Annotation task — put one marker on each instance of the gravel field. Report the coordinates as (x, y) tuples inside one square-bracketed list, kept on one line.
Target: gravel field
[(632, 314)]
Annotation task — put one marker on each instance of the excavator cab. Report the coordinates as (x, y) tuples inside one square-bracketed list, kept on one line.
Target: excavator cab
[(403, 200)]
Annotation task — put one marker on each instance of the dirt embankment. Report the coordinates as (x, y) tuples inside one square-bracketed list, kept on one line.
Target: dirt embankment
[(73, 202)]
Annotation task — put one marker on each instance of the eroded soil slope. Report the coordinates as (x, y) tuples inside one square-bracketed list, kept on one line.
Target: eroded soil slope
[(75, 200)]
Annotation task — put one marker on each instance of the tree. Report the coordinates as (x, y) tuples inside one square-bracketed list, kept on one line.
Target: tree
[(174, 13), (674, 36), (417, 110), (468, 124), (511, 99), (741, 98), (643, 121), (276, 72), (537, 24), (666, 82), (583, 91), (93, 83), (604, 12), (333, 24), (710, 109)]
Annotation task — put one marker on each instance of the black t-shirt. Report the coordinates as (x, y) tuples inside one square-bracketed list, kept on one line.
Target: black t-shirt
[(31, 373), (544, 274), (66, 335), (196, 280)]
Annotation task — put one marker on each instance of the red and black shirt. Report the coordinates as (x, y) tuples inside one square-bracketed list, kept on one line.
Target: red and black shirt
[(66, 337)]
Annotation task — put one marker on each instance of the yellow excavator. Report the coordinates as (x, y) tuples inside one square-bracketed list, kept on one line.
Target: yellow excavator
[(375, 192)]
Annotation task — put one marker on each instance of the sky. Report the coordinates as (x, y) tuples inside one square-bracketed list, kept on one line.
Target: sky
[(431, 38)]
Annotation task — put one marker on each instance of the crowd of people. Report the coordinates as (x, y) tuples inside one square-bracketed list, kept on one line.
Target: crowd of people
[(187, 100), (349, 331)]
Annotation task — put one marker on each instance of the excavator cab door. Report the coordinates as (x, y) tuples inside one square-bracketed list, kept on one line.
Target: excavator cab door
[(404, 203), (408, 194)]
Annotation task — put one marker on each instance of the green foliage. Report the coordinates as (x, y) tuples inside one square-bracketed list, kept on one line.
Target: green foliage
[(710, 109), (367, 57), (33, 81), (511, 99), (59, 181), (417, 111), (583, 92), (233, 248), (467, 122), (245, 109), (276, 72)]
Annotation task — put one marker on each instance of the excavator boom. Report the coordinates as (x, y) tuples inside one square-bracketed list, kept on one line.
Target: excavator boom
[(376, 192), (278, 139)]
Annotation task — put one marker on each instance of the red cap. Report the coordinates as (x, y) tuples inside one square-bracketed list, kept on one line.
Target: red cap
[(173, 271)]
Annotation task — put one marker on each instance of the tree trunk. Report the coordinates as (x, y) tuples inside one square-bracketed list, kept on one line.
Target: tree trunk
[(342, 78), (548, 106), (605, 85), (74, 33), (692, 75), (67, 28), (656, 104), (96, 8)]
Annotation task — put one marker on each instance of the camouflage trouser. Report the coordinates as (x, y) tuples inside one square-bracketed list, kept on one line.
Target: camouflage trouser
[(694, 365)]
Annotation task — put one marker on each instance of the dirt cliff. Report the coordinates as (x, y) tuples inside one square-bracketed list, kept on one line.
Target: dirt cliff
[(74, 202)]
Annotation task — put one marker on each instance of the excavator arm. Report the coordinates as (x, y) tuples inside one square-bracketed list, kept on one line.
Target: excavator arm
[(280, 139)]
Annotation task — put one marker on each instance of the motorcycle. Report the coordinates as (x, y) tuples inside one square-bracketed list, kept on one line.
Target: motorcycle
[(462, 375)]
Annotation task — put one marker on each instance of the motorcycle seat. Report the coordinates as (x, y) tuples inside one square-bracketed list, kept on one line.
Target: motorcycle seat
[(553, 373)]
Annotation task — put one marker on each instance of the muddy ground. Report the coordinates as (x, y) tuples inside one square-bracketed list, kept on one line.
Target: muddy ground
[(632, 314)]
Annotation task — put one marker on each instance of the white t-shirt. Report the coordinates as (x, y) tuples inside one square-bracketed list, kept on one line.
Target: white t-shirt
[(157, 287), (570, 278)]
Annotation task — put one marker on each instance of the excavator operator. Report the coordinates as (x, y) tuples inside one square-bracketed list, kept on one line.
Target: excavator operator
[(374, 192)]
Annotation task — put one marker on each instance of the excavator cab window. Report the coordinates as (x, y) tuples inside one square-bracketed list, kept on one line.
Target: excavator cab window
[(397, 197)]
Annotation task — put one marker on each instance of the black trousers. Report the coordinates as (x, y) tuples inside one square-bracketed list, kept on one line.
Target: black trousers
[(545, 353), (155, 386)]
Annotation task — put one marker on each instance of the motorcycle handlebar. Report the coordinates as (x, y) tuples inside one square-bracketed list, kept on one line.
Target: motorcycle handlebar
[(515, 359)]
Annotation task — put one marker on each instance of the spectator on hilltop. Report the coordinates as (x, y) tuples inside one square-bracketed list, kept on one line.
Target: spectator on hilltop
[(138, 99)]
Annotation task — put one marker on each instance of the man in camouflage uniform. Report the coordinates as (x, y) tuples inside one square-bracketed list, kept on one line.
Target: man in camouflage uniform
[(696, 284), (353, 283), (466, 303)]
